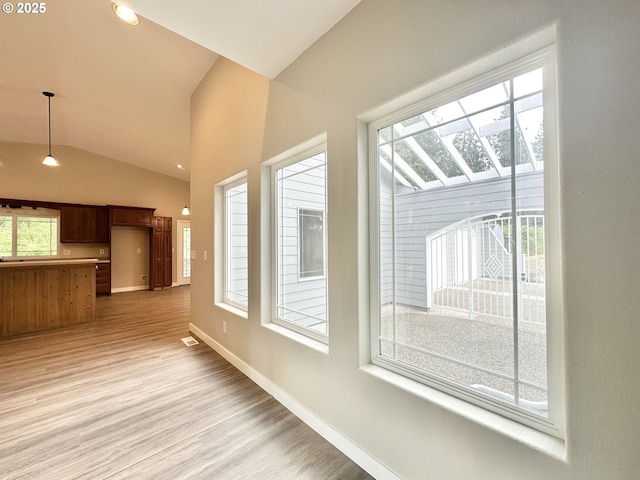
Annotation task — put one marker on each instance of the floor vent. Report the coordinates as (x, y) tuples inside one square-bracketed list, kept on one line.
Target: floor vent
[(189, 341)]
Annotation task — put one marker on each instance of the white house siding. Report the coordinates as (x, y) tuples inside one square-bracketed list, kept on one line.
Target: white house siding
[(422, 213), (238, 274), (304, 300)]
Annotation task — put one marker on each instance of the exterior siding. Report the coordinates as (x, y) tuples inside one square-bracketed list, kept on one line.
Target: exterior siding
[(420, 214), (300, 300), (237, 269)]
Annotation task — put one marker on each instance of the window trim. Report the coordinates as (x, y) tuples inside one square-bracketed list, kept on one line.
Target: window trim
[(496, 70), (284, 160), (221, 244), (227, 242)]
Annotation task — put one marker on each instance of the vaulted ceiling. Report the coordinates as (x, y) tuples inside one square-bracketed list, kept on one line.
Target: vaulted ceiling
[(124, 91)]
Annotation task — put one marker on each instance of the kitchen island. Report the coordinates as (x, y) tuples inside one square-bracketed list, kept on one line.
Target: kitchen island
[(44, 294)]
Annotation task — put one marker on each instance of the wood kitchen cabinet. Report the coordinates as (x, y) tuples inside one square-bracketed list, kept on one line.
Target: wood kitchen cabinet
[(84, 224), (160, 263), (46, 294), (131, 216), (103, 278)]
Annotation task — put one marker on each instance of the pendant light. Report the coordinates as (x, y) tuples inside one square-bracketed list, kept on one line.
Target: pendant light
[(185, 211), (50, 160)]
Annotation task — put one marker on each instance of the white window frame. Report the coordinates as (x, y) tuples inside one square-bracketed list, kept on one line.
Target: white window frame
[(221, 247), (30, 213), (302, 278), (494, 73), (287, 159), (227, 243)]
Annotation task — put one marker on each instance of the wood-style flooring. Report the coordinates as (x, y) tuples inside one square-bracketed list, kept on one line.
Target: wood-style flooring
[(124, 398)]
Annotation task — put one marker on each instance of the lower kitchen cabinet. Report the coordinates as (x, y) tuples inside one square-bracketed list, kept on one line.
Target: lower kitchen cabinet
[(103, 278)]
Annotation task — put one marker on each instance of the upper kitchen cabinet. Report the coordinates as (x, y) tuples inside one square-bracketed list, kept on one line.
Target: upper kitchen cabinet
[(131, 216), (84, 224)]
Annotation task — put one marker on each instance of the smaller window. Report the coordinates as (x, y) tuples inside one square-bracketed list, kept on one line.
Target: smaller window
[(299, 242), (236, 291), (32, 233), (311, 242)]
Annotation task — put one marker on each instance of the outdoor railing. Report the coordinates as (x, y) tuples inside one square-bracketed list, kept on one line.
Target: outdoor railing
[(470, 267)]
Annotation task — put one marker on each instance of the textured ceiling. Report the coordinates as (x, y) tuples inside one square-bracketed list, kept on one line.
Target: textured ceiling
[(123, 92)]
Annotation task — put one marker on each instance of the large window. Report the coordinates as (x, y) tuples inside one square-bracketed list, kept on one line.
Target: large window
[(28, 233), (300, 206), (464, 235), (236, 255)]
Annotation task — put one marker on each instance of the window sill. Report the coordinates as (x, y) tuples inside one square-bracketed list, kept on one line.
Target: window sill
[(298, 337), (234, 310), (547, 444)]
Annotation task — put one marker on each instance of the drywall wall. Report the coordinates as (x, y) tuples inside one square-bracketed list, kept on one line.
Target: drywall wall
[(381, 51), (84, 177), (131, 261)]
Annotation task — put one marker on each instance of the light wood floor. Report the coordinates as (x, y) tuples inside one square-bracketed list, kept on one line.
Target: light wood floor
[(124, 398)]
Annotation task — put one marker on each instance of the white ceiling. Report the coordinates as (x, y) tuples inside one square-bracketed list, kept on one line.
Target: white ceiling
[(122, 91)]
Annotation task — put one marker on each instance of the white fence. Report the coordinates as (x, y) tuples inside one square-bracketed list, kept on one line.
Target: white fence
[(470, 267)]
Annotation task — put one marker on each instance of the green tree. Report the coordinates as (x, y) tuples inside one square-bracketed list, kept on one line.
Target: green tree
[(501, 144), (472, 151), (6, 233), (36, 236), (413, 160), (430, 142)]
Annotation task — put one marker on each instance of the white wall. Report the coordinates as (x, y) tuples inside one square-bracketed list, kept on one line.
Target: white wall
[(380, 51)]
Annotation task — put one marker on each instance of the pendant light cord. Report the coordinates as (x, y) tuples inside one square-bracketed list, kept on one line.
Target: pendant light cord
[(49, 95), (49, 98)]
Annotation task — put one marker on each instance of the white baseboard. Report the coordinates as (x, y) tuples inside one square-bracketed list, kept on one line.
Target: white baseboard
[(130, 289), (333, 436)]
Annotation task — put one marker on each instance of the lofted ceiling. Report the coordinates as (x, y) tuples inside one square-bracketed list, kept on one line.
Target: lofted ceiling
[(124, 91)]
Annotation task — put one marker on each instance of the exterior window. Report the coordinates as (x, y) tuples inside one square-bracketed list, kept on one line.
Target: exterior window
[(186, 252), (311, 242), (236, 291), (299, 244), (28, 234), (463, 236)]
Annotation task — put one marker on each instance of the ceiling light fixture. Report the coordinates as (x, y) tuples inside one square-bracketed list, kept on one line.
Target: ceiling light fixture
[(50, 160), (181, 167), (185, 211), (126, 14)]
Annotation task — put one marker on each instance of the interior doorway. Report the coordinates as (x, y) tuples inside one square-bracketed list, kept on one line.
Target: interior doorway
[(184, 252)]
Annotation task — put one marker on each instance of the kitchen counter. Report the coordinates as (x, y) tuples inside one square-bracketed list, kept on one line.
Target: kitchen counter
[(40, 263), (44, 294)]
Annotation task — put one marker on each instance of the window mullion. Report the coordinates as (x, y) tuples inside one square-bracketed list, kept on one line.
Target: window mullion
[(394, 299), (515, 250), (14, 235)]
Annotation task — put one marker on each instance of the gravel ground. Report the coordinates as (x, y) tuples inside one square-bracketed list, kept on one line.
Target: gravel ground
[(482, 341)]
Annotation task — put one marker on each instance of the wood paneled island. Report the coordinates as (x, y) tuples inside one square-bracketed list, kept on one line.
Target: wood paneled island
[(41, 295)]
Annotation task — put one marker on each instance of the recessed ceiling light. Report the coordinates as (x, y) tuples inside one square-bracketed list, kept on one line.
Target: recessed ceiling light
[(181, 167), (126, 14)]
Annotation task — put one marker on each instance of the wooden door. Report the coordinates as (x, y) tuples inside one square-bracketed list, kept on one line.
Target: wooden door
[(161, 272), (156, 279), (167, 270)]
